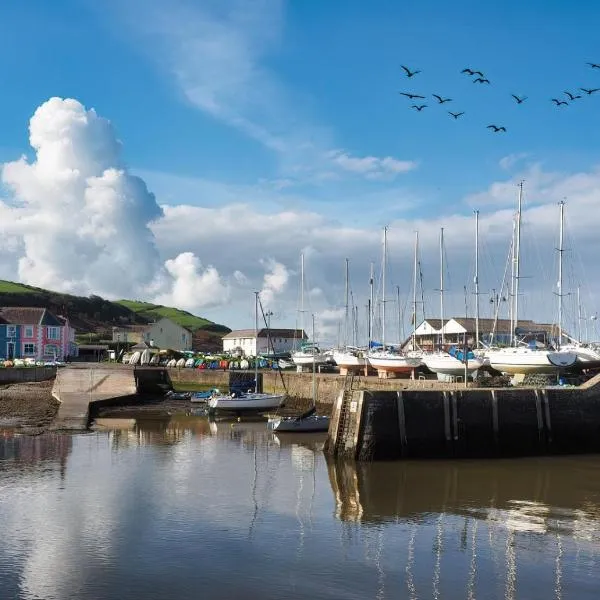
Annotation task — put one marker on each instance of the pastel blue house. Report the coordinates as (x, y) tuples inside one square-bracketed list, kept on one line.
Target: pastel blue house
[(10, 340)]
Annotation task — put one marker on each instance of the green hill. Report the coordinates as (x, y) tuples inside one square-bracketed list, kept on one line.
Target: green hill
[(182, 317), (93, 314)]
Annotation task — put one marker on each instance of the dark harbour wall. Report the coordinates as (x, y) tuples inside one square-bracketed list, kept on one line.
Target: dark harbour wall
[(380, 425)]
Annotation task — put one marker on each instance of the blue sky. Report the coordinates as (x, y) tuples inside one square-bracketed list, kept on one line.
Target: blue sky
[(294, 106)]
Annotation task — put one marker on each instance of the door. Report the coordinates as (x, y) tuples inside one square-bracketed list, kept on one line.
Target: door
[(10, 350)]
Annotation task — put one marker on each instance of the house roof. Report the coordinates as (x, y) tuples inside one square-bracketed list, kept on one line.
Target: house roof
[(29, 315), (434, 323), (502, 325), (263, 333)]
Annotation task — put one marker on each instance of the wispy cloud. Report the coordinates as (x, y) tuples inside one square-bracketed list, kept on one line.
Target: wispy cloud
[(218, 52), (372, 167)]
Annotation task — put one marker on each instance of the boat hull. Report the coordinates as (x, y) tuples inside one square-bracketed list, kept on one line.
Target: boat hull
[(347, 360), (302, 359), (523, 362), (393, 364), (294, 425), (448, 365), (248, 403)]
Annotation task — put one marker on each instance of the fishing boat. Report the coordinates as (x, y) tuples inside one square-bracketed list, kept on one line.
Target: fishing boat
[(251, 401), (309, 421)]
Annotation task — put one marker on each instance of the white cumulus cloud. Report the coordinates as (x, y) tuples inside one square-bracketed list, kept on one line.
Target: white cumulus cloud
[(274, 282), (79, 221)]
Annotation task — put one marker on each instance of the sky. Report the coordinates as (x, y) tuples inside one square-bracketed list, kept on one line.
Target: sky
[(187, 152)]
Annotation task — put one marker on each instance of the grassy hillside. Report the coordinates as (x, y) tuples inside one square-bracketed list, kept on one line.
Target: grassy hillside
[(182, 317), (94, 314)]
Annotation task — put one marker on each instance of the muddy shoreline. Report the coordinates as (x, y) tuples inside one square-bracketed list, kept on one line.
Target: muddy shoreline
[(28, 407)]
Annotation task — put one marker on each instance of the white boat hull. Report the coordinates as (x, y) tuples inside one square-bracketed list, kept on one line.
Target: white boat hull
[(246, 403), (294, 425), (445, 364), (393, 363), (521, 361), (348, 360), (302, 359)]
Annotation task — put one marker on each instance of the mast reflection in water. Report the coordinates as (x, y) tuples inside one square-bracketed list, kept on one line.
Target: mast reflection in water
[(182, 507)]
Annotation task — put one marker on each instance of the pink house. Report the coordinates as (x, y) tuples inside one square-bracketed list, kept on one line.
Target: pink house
[(38, 333)]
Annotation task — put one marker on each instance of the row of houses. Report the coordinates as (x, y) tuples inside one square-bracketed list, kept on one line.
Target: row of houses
[(457, 330), (28, 332), (428, 334)]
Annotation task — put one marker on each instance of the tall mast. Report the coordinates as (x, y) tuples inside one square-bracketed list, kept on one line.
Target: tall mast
[(561, 205), (476, 279), (511, 294), (578, 314), (314, 379), (256, 337), (371, 302), (442, 282), (302, 293), (517, 260), (383, 287), (399, 315), (414, 319), (346, 322)]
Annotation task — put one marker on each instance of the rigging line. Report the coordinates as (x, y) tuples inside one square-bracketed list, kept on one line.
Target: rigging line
[(270, 342)]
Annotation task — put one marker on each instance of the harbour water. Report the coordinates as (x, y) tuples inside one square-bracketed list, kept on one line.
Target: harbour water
[(186, 508)]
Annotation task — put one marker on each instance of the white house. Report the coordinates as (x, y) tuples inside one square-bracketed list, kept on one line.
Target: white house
[(456, 330), (269, 340), (167, 334)]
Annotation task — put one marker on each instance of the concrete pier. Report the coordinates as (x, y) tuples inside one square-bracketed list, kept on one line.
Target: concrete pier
[(82, 389), (384, 425)]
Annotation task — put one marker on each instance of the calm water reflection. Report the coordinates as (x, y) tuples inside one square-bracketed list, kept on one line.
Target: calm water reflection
[(184, 508)]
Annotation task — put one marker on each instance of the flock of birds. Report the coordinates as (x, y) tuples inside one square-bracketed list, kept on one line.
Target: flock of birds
[(479, 78)]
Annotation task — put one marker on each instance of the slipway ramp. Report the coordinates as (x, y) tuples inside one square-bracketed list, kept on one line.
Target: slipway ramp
[(77, 388)]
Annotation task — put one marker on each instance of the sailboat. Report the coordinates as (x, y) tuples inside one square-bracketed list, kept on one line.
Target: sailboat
[(384, 359), (456, 362), (521, 359), (308, 353), (348, 358), (247, 402), (309, 421)]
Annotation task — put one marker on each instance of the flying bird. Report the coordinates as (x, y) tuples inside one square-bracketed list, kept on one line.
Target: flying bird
[(455, 115), (419, 108), (559, 102), (519, 99), (496, 128), (478, 73), (571, 96), (408, 72), (481, 80), (468, 71), (440, 99), (590, 91), (594, 65), (412, 96)]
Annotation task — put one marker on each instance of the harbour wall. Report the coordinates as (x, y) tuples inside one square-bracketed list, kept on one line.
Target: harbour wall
[(299, 385), (26, 374), (468, 423)]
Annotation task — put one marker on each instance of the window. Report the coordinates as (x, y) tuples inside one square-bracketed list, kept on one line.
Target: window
[(28, 331), (29, 350), (54, 333), (11, 331), (51, 350)]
